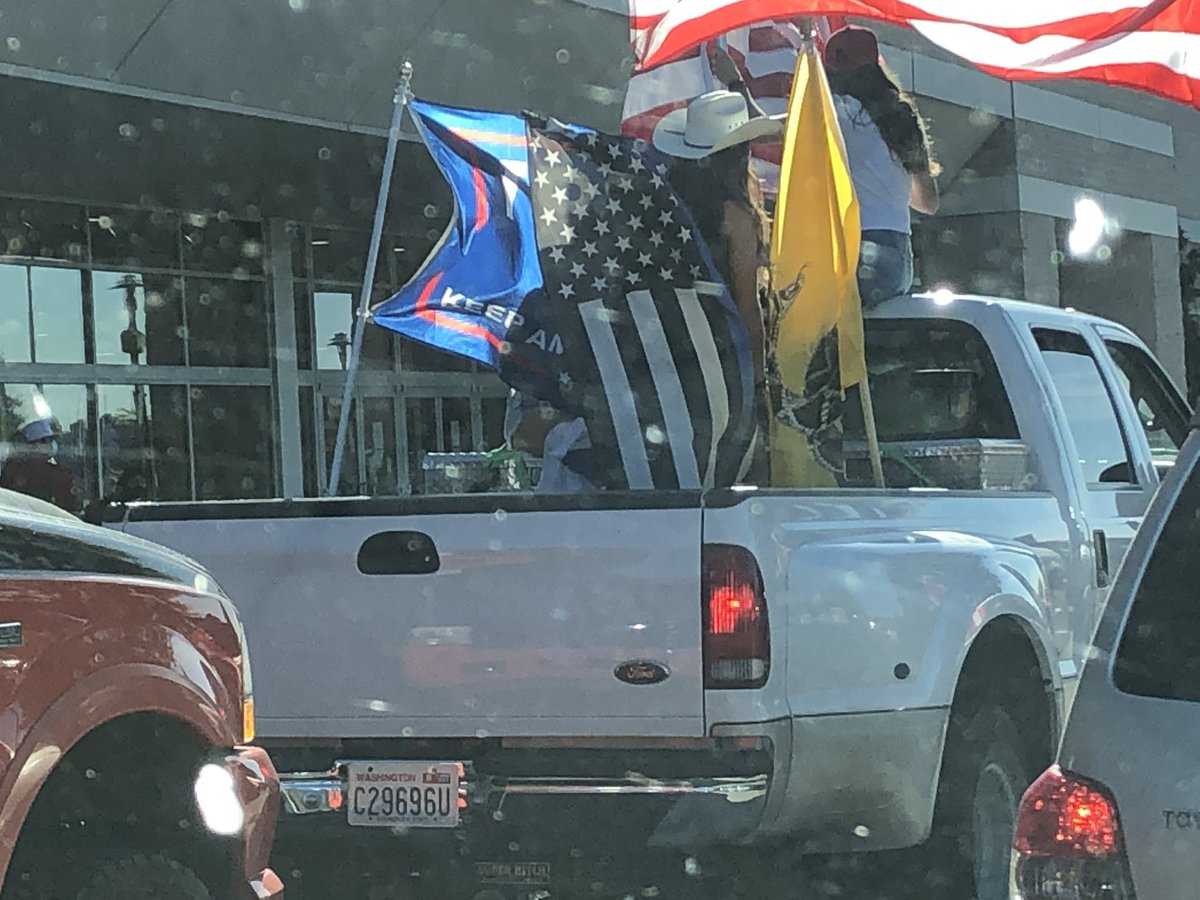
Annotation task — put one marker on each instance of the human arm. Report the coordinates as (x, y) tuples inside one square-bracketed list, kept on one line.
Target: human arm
[(741, 236), (923, 197), (726, 71)]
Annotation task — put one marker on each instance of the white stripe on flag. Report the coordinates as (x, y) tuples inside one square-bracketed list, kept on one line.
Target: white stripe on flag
[(619, 394), (710, 364), (670, 83), (1024, 13), (770, 62), (676, 418), (1056, 55)]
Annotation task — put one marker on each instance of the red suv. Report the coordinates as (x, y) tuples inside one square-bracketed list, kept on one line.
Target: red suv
[(125, 711)]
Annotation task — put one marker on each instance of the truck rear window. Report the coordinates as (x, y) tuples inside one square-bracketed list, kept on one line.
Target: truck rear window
[(1159, 651), (932, 379)]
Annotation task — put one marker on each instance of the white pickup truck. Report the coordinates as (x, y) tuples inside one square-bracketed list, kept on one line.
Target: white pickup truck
[(851, 669)]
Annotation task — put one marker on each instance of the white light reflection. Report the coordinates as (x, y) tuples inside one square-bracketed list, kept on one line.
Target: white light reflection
[(217, 799), (1088, 229)]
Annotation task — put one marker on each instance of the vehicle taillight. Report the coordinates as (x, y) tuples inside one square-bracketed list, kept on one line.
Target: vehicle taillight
[(737, 641), (1068, 842)]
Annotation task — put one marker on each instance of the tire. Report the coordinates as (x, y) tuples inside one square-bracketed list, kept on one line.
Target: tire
[(139, 877), (985, 774)]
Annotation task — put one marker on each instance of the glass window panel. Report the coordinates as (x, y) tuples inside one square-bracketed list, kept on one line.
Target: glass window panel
[(1160, 411), (1091, 418), (57, 315), (14, 314), (348, 483), (143, 437), (422, 438), (333, 315), (302, 300), (232, 442), (42, 230), (492, 410), (379, 446), (308, 442), (227, 322), (66, 406), (300, 249), (134, 238), (155, 334), (1159, 651), (339, 255), (222, 245), (456, 425)]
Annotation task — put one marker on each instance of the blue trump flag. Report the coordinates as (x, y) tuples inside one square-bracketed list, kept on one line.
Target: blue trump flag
[(571, 269)]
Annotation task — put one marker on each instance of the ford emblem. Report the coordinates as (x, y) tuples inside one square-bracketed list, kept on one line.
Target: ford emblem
[(642, 671)]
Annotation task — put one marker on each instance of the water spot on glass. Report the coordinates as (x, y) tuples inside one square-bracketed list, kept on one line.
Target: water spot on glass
[(691, 866), (237, 97), (105, 223), (430, 211), (563, 56), (1057, 257), (252, 249), (558, 614), (756, 508), (127, 130), (495, 544), (501, 515), (298, 5), (324, 154), (655, 435), (505, 348), (406, 731), (1104, 253), (862, 831), (223, 214), (651, 891), (100, 23), (14, 44), (481, 733), (514, 846)]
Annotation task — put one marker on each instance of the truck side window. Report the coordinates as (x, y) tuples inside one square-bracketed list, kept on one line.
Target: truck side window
[(1160, 410), (1159, 652), (1091, 416)]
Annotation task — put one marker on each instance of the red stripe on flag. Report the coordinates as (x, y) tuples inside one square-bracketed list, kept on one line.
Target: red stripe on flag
[(444, 321)]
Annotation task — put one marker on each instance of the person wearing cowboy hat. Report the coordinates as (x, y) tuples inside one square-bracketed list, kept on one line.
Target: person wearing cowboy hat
[(711, 137), (891, 164)]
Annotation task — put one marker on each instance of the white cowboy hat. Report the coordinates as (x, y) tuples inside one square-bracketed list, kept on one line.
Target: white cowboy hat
[(712, 122)]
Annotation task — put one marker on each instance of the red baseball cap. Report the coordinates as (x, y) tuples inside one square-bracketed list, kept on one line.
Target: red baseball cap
[(851, 48)]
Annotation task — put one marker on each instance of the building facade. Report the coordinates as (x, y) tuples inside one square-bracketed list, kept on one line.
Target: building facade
[(186, 193)]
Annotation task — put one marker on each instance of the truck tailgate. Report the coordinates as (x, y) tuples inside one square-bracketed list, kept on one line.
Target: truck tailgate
[(519, 631)]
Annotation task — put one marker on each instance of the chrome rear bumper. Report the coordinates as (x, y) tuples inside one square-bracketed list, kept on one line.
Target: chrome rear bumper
[(308, 793)]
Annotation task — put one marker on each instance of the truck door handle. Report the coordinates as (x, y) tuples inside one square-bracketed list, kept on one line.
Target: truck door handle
[(1100, 549), (398, 553)]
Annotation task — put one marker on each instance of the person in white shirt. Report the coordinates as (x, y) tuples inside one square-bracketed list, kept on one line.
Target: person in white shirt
[(891, 164)]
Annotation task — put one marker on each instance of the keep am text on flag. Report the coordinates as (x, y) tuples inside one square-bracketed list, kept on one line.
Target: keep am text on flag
[(571, 269)]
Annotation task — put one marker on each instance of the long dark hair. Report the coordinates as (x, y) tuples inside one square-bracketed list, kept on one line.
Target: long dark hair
[(894, 113), (705, 185)]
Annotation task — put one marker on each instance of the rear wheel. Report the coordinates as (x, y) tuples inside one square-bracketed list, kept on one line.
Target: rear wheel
[(985, 775), (138, 877)]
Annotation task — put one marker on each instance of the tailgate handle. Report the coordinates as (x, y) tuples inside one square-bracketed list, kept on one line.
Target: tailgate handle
[(398, 553)]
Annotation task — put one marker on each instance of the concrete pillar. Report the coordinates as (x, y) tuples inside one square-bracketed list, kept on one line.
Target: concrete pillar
[(284, 360), (1039, 260), (1168, 341)]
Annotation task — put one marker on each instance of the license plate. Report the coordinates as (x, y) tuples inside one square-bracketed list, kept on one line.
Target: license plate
[(389, 794)]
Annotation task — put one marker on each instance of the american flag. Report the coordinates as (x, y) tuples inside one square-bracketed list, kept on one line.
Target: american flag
[(654, 354), (765, 56), (1150, 45)]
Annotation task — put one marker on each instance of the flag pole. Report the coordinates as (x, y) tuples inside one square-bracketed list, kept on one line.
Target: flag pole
[(399, 102), (868, 410)]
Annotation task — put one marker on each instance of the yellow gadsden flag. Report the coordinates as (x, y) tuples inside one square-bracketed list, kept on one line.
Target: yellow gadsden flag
[(815, 329)]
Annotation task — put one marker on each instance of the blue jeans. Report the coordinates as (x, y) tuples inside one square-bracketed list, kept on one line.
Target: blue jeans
[(885, 266)]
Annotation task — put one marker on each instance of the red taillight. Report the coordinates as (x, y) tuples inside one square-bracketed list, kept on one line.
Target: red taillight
[(1068, 841), (737, 646)]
